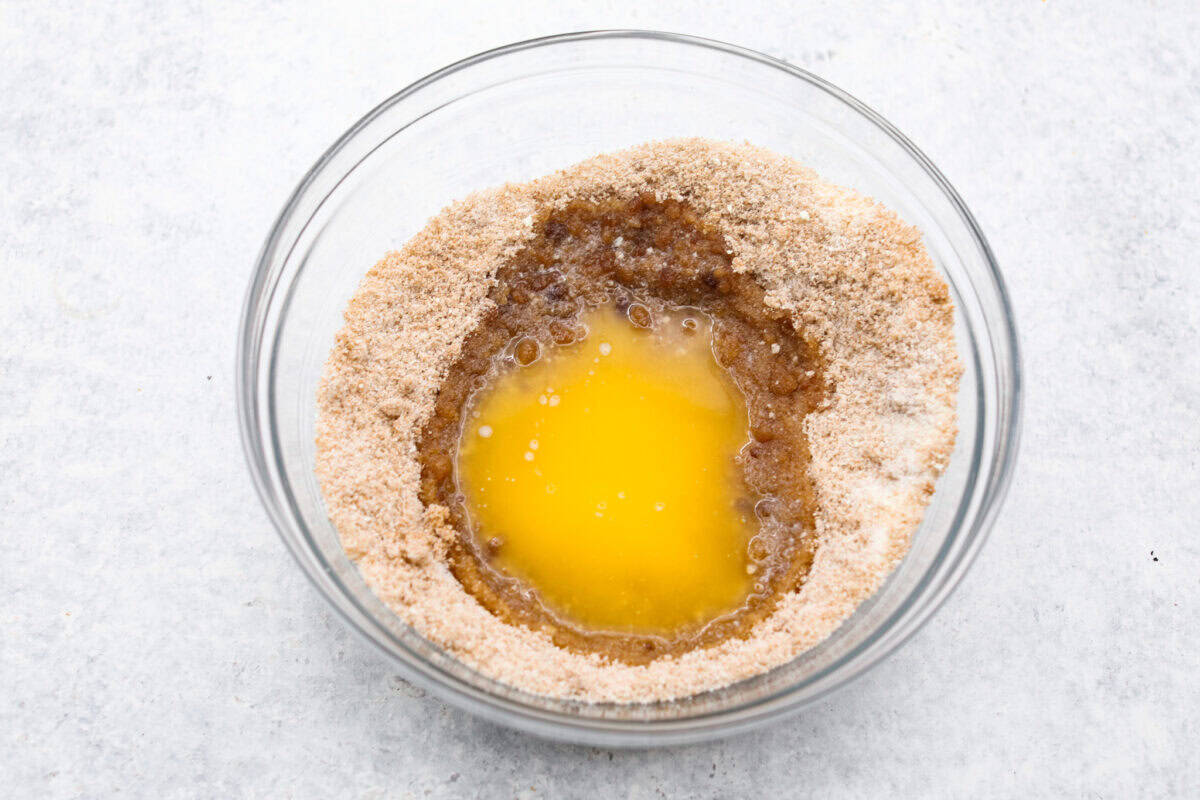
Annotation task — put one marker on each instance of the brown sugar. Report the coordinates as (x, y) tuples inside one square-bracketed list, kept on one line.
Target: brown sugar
[(641, 256)]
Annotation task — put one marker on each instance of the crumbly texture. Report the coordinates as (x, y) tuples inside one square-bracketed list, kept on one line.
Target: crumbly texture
[(851, 275)]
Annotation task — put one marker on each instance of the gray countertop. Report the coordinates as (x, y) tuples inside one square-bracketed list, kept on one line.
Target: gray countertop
[(157, 640)]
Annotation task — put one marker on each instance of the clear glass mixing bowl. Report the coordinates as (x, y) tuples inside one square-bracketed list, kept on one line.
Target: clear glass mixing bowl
[(521, 111)]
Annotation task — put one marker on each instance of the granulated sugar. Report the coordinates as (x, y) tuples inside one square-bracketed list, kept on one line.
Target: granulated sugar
[(853, 277)]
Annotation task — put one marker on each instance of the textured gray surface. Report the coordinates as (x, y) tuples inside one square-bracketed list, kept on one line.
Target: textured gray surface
[(155, 638)]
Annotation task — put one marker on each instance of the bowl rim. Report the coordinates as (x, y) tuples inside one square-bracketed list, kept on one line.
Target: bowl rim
[(609, 732)]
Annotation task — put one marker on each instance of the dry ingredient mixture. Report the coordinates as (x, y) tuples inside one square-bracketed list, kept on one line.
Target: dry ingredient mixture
[(824, 308)]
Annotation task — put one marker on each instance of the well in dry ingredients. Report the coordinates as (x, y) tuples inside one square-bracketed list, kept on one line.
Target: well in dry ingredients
[(656, 502), (644, 427)]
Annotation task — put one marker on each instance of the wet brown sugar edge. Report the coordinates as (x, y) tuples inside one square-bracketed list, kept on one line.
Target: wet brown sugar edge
[(851, 277), (640, 257)]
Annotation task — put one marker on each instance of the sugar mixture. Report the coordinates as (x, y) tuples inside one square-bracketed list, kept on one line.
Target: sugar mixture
[(821, 307)]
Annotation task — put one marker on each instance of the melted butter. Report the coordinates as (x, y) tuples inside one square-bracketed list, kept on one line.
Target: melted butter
[(603, 476)]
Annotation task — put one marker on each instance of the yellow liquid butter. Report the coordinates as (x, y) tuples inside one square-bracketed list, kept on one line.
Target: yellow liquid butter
[(604, 474)]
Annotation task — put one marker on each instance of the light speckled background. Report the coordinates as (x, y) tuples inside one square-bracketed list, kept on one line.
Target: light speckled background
[(155, 638)]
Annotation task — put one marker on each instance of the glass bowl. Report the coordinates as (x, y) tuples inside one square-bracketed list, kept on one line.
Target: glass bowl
[(524, 110)]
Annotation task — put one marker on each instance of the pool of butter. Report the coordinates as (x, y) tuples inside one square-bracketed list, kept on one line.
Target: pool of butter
[(603, 476)]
